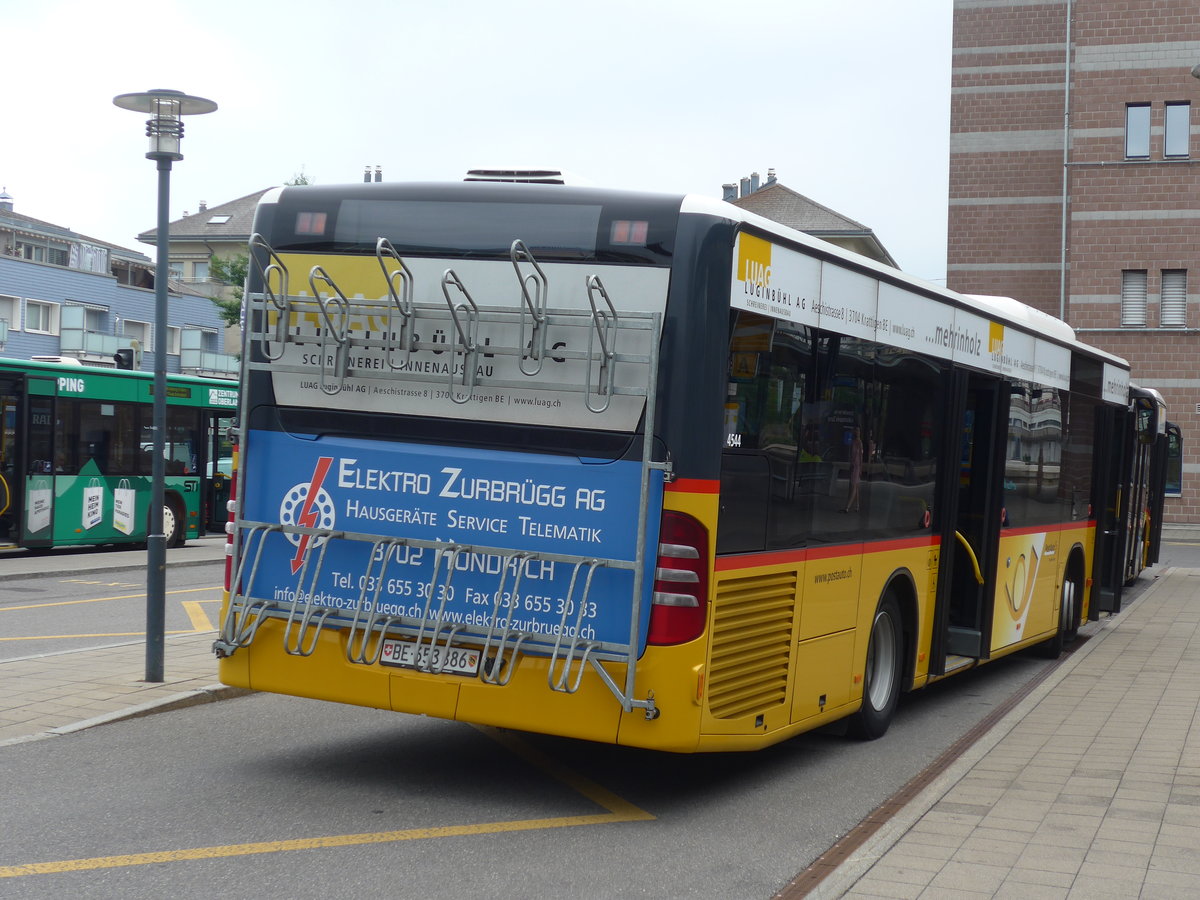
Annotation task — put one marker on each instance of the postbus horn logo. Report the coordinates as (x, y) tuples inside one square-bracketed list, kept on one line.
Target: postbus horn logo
[(309, 506)]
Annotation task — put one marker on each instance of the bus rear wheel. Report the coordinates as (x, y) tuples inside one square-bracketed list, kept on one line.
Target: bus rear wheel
[(1068, 612), (882, 674)]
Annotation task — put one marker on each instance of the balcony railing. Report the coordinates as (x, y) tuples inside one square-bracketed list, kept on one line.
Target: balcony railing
[(77, 340), (195, 360)]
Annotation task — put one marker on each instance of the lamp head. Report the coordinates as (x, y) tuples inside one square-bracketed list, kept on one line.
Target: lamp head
[(165, 125)]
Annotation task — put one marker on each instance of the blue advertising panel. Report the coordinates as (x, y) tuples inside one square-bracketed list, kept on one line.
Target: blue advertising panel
[(509, 501)]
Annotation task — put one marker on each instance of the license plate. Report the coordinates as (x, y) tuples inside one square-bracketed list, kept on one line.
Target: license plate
[(440, 659)]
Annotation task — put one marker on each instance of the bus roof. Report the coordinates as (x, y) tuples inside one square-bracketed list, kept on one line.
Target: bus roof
[(1010, 311), (76, 367), (1003, 309)]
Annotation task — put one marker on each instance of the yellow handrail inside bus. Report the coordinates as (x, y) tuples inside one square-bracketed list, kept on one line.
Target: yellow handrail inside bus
[(7, 496), (971, 553)]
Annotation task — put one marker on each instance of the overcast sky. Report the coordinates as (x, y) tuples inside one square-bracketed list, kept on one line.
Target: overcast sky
[(848, 102)]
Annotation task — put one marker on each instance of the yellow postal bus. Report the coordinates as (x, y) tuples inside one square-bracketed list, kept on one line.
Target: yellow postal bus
[(643, 469)]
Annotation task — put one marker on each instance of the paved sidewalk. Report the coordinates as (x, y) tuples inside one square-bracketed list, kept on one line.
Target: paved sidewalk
[(57, 693), (1089, 788)]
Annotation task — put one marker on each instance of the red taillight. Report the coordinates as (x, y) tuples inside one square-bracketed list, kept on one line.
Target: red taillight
[(680, 605), (229, 525)]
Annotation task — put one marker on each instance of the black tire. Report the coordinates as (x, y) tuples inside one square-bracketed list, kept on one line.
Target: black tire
[(1068, 613), (882, 673)]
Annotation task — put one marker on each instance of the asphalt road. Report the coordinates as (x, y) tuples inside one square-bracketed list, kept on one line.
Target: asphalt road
[(73, 610)]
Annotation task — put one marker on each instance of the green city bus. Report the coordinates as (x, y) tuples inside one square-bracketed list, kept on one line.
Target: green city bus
[(76, 454)]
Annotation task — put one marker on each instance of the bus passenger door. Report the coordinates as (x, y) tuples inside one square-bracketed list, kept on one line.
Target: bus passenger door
[(11, 463), (969, 520), (218, 451), (1111, 458)]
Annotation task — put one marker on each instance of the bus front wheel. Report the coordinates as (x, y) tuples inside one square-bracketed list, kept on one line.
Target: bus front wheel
[(882, 674), (172, 524)]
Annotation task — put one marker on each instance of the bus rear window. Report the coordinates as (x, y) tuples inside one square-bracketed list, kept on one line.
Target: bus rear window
[(555, 230)]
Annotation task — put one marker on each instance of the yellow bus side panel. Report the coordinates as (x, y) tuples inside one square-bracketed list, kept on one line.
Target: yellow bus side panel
[(823, 680), (1031, 568), (767, 675), (1026, 576), (830, 590)]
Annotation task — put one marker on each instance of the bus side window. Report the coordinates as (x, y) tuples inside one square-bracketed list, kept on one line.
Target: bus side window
[(764, 420)]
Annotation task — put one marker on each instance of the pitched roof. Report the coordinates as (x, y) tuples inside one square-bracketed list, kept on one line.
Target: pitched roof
[(22, 222), (781, 204), (230, 221)]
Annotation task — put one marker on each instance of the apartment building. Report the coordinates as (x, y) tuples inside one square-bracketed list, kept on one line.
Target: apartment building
[(66, 294)]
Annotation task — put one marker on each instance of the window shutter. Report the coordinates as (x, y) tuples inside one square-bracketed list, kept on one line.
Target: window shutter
[(1133, 297), (1173, 302)]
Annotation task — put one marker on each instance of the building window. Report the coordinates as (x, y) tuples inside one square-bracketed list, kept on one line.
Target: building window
[(1177, 138), (200, 271), (175, 271), (173, 340), (44, 252), (95, 318), (8, 310), (1137, 131), (1133, 297), (1172, 309), (41, 317), (140, 332)]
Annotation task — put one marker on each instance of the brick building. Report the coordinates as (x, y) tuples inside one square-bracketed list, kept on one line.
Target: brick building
[(1075, 181)]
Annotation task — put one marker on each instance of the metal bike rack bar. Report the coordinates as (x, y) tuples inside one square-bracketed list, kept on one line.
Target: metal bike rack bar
[(465, 338), (338, 330), (279, 300), (534, 285), (401, 301), (559, 682), (605, 323)]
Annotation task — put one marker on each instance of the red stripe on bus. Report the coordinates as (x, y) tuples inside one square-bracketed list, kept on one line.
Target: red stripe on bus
[(1048, 529), (783, 557), (694, 486)]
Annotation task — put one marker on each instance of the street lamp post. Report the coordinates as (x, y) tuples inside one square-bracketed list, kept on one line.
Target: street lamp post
[(165, 130)]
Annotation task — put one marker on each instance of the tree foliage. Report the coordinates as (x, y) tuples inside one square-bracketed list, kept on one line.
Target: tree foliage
[(230, 271)]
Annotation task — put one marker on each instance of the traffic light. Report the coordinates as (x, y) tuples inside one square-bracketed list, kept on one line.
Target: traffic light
[(124, 358)]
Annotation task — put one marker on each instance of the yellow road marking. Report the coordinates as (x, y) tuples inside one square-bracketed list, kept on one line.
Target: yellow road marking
[(618, 810), (101, 583), (200, 620), (105, 599), (103, 634), (601, 796)]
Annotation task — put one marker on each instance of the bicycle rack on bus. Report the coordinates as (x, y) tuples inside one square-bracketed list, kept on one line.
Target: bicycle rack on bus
[(401, 301), (278, 301), (537, 283), (331, 320), (466, 338)]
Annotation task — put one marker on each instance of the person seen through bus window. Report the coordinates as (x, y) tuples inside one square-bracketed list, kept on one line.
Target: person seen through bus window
[(856, 461)]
